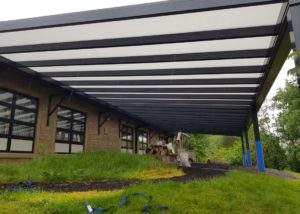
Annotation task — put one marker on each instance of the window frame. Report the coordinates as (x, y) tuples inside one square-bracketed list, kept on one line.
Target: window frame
[(70, 141), (144, 134), (127, 140), (11, 120)]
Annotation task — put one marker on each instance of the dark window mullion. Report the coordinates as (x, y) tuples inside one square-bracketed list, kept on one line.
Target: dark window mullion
[(64, 118), (23, 123), (71, 129), (5, 104), (12, 115), (33, 110)]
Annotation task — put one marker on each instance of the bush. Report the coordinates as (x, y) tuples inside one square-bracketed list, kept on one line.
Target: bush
[(274, 154), (294, 157), (199, 144)]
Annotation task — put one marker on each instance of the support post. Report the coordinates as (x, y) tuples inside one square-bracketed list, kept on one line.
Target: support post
[(243, 151), (294, 28), (258, 144), (248, 152)]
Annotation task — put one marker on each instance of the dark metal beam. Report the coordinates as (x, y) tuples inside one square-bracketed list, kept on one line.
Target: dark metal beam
[(129, 12), (142, 102), (278, 57), (193, 117), (173, 90), (184, 71), (183, 112), (294, 16), (148, 40), (175, 96), (200, 107), (165, 82), (180, 119), (187, 110), (152, 59)]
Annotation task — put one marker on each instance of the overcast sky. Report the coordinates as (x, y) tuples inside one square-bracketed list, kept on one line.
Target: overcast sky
[(18, 9)]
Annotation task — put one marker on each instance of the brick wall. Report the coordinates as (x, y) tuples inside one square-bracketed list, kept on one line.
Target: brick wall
[(45, 135)]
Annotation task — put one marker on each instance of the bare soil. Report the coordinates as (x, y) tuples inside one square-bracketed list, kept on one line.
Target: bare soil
[(196, 172)]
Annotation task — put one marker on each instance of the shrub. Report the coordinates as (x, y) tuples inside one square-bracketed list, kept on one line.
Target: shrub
[(274, 154), (294, 157)]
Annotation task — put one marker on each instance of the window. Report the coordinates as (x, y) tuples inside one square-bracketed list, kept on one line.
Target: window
[(70, 131), (126, 134), (17, 122), (162, 138), (142, 141)]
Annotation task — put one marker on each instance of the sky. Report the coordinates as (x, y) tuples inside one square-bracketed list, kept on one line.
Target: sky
[(18, 9)]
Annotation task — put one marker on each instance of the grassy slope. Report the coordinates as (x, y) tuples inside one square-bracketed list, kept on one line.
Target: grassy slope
[(98, 165), (238, 192)]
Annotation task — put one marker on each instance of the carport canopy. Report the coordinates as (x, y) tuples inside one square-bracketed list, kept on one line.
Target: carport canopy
[(198, 66)]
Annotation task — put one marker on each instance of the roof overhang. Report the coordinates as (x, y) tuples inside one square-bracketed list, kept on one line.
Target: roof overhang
[(195, 66)]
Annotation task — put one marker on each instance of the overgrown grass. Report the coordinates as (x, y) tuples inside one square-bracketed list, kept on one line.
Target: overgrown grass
[(238, 192), (99, 165)]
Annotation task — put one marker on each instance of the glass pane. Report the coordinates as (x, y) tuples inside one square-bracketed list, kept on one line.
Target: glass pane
[(6, 96), (24, 116), (77, 138), (64, 112), (23, 131), (21, 145), (63, 124), (123, 136), (62, 148), (25, 102), (3, 144), (145, 140), (4, 127), (61, 135), (79, 116), (130, 130), (78, 127), (76, 148), (124, 144), (130, 145), (5, 111), (140, 139), (141, 146)]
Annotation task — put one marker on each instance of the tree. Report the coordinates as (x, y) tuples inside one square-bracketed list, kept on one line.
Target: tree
[(287, 100), (267, 117), (274, 154), (199, 143), (294, 157)]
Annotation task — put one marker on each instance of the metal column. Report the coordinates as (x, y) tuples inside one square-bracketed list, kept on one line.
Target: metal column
[(243, 151), (294, 27), (258, 144), (248, 152)]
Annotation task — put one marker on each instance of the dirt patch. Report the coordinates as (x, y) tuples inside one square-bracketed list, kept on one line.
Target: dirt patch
[(194, 173)]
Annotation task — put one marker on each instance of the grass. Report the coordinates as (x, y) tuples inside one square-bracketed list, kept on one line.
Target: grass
[(99, 165), (238, 192), (293, 173)]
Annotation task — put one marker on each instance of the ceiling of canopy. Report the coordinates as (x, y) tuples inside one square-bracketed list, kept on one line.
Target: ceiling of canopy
[(194, 66)]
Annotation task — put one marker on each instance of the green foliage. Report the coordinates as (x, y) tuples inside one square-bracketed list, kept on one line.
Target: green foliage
[(294, 157), (198, 143), (231, 154), (274, 154), (97, 165), (295, 55), (287, 100), (238, 192)]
